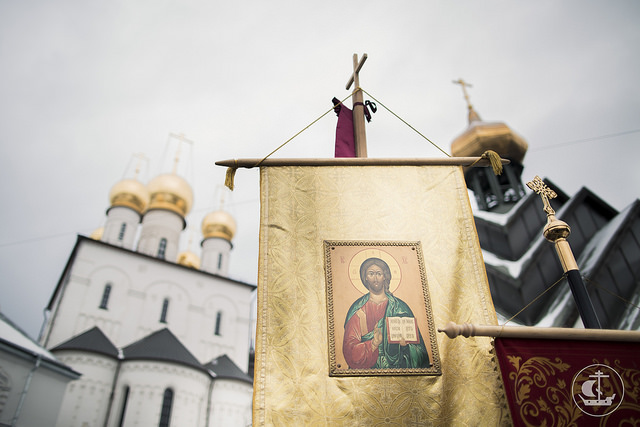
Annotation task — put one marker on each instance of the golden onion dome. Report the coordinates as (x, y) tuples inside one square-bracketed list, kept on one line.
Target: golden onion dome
[(129, 193), (97, 233), (189, 259), (482, 136), (170, 192), (219, 224)]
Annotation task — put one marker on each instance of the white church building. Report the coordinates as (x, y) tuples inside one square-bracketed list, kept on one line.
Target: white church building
[(160, 338)]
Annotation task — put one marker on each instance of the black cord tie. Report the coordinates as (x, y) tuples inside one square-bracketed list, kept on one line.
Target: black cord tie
[(366, 106)]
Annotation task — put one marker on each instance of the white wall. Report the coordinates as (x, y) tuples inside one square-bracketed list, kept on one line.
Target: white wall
[(139, 285), (87, 399), (231, 403), (212, 249), (147, 381), (42, 402), (117, 216), (158, 224)]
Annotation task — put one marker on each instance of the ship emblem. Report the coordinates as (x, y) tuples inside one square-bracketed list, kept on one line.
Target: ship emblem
[(598, 390)]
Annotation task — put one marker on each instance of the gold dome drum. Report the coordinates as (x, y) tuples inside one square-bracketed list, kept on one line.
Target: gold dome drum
[(482, 136), (218, 224), (129, 193), (170, 192)]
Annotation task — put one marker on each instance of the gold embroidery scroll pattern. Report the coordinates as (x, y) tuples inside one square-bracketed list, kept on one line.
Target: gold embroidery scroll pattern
[(488, 386), (296, 303), (294, 372), (398, 401), (631, 379), (630, 406), (500, 393), (473, 242), (535, 372)]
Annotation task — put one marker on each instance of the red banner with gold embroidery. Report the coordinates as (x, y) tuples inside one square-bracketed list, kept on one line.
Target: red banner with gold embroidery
[(562, 382)]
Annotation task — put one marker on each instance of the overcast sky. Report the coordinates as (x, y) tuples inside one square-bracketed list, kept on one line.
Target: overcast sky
[(85, 85)]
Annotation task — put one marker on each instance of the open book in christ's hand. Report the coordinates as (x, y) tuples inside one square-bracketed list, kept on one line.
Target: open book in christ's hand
[(402, 327)]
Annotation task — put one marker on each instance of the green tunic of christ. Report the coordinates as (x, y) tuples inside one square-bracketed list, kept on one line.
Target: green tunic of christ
[(392, 355)]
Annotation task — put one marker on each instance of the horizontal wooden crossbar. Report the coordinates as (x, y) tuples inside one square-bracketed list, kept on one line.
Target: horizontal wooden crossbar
[(358, 161)]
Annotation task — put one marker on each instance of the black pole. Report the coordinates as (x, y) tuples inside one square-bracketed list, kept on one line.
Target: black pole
[(557, 231), (585, 306)]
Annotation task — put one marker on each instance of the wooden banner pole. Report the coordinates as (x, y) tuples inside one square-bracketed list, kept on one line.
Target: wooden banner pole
[(467, 330)]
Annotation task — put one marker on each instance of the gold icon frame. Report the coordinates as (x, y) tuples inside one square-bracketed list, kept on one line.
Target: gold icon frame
[(408, 282)]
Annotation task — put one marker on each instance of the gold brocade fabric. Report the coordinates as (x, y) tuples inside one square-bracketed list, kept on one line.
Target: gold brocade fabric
[(302, 206)]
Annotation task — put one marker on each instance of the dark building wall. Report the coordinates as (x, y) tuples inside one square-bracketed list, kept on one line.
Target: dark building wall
[(614, 278), (611, 279), (511, 240)]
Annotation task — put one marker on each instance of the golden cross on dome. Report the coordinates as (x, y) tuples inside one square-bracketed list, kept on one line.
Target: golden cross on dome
[(464, 85), (539, 187), (141, 158), (181, 138)]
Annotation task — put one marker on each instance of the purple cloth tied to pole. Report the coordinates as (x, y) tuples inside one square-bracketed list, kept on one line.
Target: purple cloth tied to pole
[(345, 140)]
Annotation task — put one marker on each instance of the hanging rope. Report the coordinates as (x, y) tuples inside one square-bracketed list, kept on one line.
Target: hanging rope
[(492, 156), (231, 171), (626, 301), (561, 279), (403, 121), (536, 298)]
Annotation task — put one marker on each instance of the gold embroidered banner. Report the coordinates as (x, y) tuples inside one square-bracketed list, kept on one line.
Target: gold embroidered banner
[(304, 206), (565, 382)]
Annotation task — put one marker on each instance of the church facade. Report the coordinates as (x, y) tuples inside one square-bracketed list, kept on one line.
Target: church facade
[(160, 337)]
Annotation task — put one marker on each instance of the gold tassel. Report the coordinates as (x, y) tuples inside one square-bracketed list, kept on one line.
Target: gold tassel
[(228, 179), (494, 159)]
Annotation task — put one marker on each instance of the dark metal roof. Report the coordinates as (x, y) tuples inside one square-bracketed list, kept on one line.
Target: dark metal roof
[(611, 266), (520, 227), (93, 340), (224, 368), (163, 346), (596, 228)]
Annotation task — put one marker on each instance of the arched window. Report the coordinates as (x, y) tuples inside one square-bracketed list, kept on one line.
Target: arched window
[(123, 227), (125, 398), (162, 248), (104, 302), (165, 309), (165, 414), (218, 323)]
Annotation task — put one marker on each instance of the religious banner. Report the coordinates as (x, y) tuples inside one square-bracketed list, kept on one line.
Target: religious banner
[(567, 382), (415, 214)]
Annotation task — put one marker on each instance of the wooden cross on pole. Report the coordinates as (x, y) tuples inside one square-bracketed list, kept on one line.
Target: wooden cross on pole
[(359, 134)]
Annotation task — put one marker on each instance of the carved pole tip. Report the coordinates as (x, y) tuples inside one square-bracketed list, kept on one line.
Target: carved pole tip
[(451, 330)]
